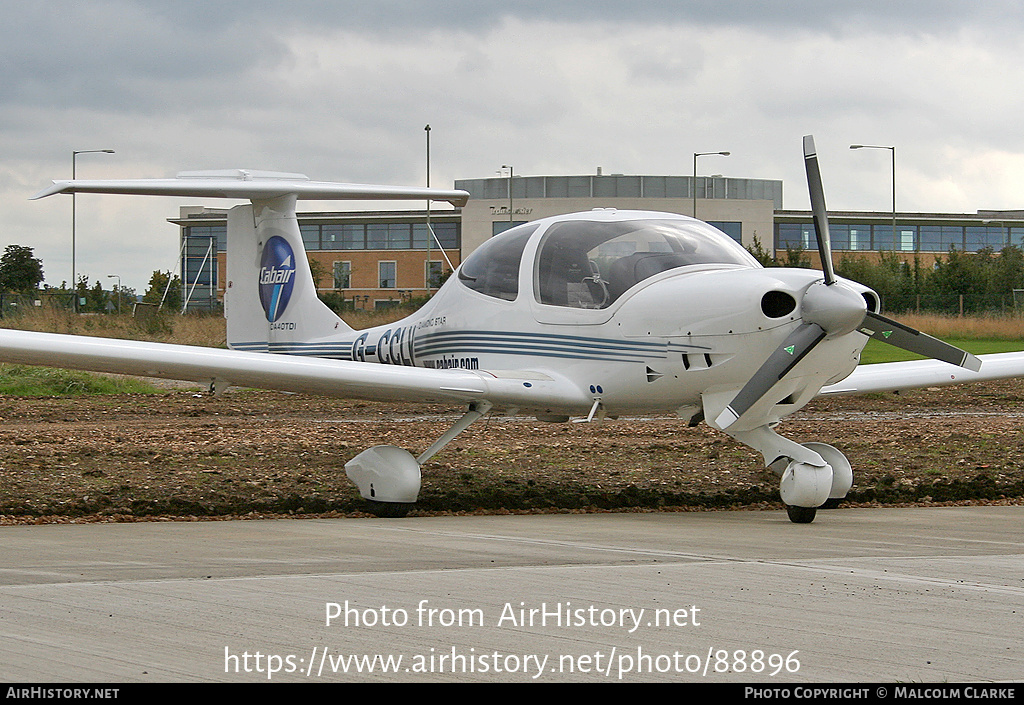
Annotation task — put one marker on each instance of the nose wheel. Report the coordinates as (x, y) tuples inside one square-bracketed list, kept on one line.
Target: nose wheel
[(801, 515), (805, 488)]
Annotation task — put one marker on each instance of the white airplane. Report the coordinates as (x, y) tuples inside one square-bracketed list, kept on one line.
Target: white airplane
[(587, 315)]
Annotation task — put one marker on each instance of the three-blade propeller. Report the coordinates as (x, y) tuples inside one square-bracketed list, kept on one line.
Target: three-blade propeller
[(828, 309)]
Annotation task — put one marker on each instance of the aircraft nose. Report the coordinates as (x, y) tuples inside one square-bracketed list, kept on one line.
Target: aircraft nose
[(838, 309)]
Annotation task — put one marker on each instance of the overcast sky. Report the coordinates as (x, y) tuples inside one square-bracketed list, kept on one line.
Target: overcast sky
[(341, 91)]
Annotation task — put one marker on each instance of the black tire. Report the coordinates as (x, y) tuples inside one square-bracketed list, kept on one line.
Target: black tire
[(390, 510), (801, 515)]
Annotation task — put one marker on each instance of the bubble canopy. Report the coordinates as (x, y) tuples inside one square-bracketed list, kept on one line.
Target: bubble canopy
[(589, 264)]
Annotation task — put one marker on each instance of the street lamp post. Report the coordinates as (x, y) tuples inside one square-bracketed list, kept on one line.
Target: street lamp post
[(429, 231), (74, 172), (693, 184), (509, 167), (893, 150)]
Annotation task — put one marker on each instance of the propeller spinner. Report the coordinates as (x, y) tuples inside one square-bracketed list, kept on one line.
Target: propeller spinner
[(829, 309)]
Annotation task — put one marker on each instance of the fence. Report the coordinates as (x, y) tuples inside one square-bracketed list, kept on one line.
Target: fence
[(19, 304), (952, 304)]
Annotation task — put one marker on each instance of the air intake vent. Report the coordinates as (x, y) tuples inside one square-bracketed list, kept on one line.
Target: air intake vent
[(872, 301), (776, 304)]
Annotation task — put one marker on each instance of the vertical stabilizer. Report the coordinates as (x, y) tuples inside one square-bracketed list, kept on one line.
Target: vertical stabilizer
[(271, 302)]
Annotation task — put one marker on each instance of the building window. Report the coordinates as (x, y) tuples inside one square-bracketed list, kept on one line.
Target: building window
[(907, 240), (399, 236), (448, 235), (218, 232), (730, 228), (199, 270), (387, 273), (342, 275), (344, 237), (952, 237), (498, 227), (376, 236), (421, 239), (859, 239), (979, 237), (434, 272), (310, 236), (794, 236)]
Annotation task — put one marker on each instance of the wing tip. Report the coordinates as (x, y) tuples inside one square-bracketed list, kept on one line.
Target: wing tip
[(54, 188)]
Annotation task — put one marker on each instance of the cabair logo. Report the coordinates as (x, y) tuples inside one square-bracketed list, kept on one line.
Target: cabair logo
[(277, 277)]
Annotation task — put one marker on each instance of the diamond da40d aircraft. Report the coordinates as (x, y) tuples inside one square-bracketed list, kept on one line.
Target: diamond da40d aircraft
[(588, 315)]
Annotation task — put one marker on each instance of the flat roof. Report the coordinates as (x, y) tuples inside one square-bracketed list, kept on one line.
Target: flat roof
[(985, 217)]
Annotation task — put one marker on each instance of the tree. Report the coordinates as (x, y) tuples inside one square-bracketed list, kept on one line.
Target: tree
[(158, 284), (319, 271), (796, 258), (760, 254), (19, 270), (91, 299), (961, 274), (1007, 275), (122, 298)]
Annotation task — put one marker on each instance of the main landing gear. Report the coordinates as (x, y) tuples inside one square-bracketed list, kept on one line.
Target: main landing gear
[(389, 477)]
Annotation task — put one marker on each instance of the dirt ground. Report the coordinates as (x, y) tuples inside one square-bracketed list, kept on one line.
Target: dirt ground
[(185, 455)]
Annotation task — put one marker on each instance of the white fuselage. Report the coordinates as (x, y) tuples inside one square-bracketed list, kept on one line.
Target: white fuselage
[(670, 342)]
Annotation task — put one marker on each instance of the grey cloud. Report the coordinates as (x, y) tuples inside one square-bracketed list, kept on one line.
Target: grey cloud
[(120, 54), (386, 16), (142, 56)]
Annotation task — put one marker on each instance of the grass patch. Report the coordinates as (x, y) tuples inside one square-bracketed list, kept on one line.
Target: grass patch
[(25, 381), (876, 351), (979, 327), (980, 335), (189, 329)]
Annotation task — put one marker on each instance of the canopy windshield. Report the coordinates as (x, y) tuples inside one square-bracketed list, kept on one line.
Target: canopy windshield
[(587, 264)]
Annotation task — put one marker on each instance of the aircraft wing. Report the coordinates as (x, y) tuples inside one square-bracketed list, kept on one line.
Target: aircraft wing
[(338, 378), (894, 376)]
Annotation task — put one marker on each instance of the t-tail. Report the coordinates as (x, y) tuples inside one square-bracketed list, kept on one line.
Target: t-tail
[(270, 302)]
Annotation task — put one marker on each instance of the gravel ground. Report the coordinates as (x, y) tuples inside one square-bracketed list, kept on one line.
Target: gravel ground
[(184, 455)]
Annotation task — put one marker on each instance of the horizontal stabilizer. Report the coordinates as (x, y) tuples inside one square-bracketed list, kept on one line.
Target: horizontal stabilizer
[(254, 185)]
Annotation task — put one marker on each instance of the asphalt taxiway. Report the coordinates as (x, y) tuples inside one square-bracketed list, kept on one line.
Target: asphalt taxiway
[(909, 594)]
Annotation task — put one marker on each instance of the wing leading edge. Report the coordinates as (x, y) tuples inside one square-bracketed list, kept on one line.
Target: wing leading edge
[(362, 380), (338, 378), (253, 185), (895, 376)]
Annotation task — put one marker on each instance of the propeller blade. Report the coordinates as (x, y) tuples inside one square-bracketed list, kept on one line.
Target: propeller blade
[(793, 349), (817, 193), (832, 310), (901, 336)]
